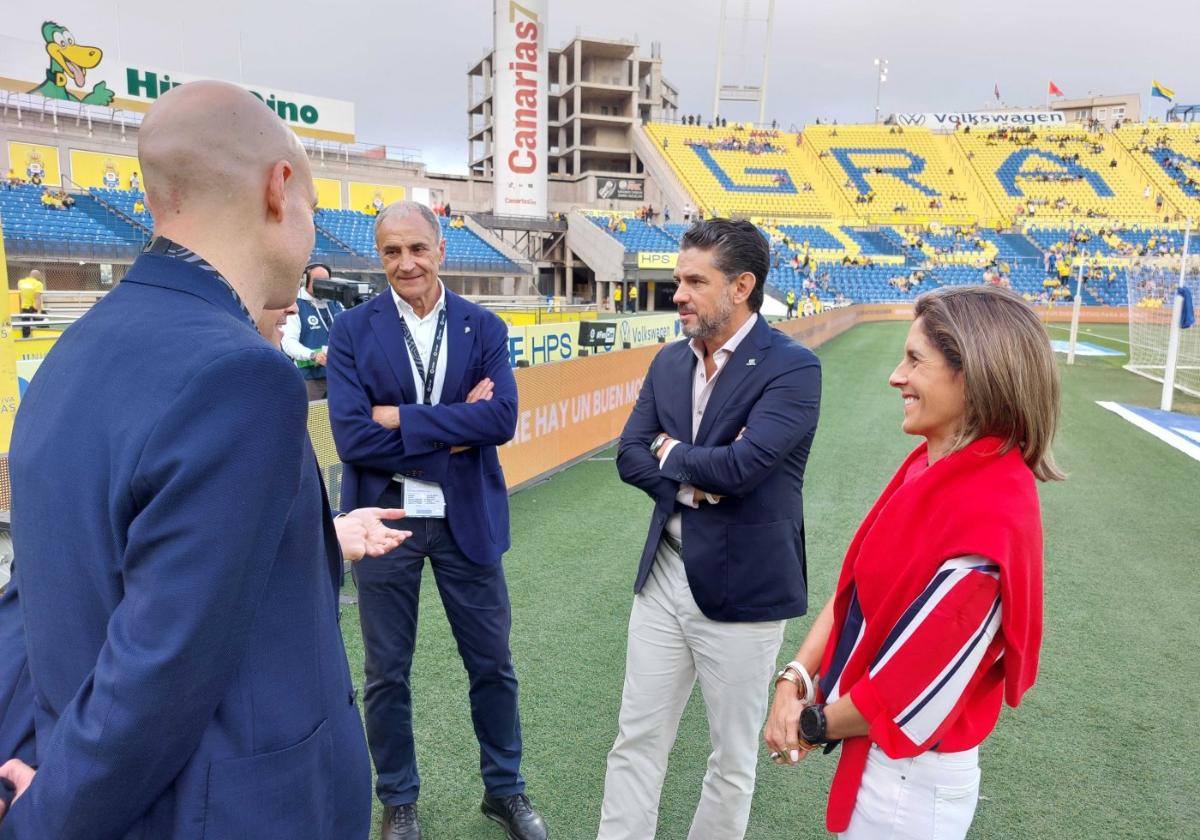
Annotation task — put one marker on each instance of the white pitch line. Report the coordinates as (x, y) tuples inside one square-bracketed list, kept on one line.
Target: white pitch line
[(1165, 435), (1067, 330)]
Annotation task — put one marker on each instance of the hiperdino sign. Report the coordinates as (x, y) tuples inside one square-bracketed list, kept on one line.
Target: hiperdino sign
[(77, 72)]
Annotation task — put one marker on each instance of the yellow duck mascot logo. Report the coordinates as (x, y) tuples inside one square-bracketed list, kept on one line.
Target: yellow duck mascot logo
[(70, 61)]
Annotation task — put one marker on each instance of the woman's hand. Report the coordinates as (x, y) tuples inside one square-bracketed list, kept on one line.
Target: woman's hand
[(781, 732)]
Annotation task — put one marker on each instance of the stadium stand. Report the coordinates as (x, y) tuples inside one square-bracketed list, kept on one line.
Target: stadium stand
[(1064, 172), (68, 231), (127, 201), (898, 175), (737, 171), (1170, 156), (635, 234), (875, 243), (465, 250)]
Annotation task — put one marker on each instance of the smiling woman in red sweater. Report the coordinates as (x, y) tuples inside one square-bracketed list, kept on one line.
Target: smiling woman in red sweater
[(937, 617)]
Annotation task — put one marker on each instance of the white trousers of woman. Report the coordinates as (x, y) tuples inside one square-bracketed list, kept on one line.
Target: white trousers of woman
[(930, 797)]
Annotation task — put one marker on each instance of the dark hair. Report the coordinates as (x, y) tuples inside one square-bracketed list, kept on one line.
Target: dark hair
[(737, 247), (308, 269)]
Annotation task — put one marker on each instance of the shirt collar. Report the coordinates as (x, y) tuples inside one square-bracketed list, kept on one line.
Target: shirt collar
[(729, 347), (407, 311), (304, 295), (164, 247)]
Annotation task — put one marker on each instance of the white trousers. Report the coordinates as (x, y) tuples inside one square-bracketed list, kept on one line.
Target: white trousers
[(930, 797), (671, 644)]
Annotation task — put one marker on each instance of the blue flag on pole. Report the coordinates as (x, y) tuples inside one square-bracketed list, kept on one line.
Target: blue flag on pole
[(1187, 317)]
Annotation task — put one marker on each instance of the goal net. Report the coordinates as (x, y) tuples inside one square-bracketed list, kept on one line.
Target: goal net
[(1152, 292)]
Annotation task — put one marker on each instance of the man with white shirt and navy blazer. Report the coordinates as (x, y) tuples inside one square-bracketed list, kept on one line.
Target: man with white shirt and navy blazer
[(719, 439), (420, 395)]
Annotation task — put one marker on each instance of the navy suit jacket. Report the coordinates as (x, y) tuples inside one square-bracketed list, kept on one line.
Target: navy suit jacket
[(178, 581), (744, 556), (368, 365), (16, 688)]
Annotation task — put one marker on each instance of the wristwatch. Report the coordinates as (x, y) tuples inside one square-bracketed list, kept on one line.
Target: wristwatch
[(812, 724), (658, 442)]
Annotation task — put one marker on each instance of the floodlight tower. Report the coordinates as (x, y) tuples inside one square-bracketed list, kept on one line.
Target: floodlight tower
[(881, 67), (743, 92)]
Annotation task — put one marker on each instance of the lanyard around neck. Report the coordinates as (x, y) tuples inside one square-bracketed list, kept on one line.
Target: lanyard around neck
[(426, 376)]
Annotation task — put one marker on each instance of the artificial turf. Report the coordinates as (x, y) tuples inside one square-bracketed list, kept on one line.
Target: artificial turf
[(1104, 746)]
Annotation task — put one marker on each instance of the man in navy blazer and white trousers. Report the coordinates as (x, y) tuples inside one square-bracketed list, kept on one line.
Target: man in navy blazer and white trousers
[(420, 395), (718, 439), (179, 567)]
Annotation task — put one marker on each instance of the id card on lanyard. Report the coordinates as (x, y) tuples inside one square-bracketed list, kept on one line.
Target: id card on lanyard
[(424, 498)]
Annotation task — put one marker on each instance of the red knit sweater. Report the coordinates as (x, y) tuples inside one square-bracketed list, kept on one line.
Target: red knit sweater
[(972, 502)]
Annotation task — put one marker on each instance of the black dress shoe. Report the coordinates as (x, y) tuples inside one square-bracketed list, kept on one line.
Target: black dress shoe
[(400, 823), (517, 816)]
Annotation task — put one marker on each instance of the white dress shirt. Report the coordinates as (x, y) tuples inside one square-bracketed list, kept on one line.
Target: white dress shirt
[(702, 387), (423, 331)]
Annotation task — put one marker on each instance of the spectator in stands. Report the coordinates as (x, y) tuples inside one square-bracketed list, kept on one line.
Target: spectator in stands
[(980, 384), (50, 200), (66, 199), (139, 207), (29, 290), (135, 183), (306, 332), (729, 499), (199, 552), (12, 179), (415, 432)]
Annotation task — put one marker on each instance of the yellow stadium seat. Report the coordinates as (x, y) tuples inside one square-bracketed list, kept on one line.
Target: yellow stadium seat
[(1170, 156), (894, 175), (1057, 172), (728, 181)]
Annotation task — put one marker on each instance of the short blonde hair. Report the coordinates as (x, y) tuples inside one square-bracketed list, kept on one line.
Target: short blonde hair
[(1009, 373)]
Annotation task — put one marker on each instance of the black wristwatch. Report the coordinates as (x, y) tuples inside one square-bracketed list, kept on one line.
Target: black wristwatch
[(812, 724)]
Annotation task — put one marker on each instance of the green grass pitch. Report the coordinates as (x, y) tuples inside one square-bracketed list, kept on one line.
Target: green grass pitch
[(1106, 745)]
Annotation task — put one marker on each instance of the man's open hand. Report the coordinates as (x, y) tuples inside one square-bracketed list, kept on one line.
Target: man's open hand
[(362, 532)]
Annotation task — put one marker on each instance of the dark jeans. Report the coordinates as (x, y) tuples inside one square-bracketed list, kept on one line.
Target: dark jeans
[(318, 389), (475, 598)]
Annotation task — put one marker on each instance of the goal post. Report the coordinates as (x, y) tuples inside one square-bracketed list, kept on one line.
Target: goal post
[(1158, 348)]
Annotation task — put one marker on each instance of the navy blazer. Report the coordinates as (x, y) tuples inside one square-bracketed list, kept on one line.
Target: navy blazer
[(368, 365), (744, 556), (16, 688), (178, 581)]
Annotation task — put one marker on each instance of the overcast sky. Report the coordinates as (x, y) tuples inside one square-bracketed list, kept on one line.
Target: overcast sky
[(404, 63)]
